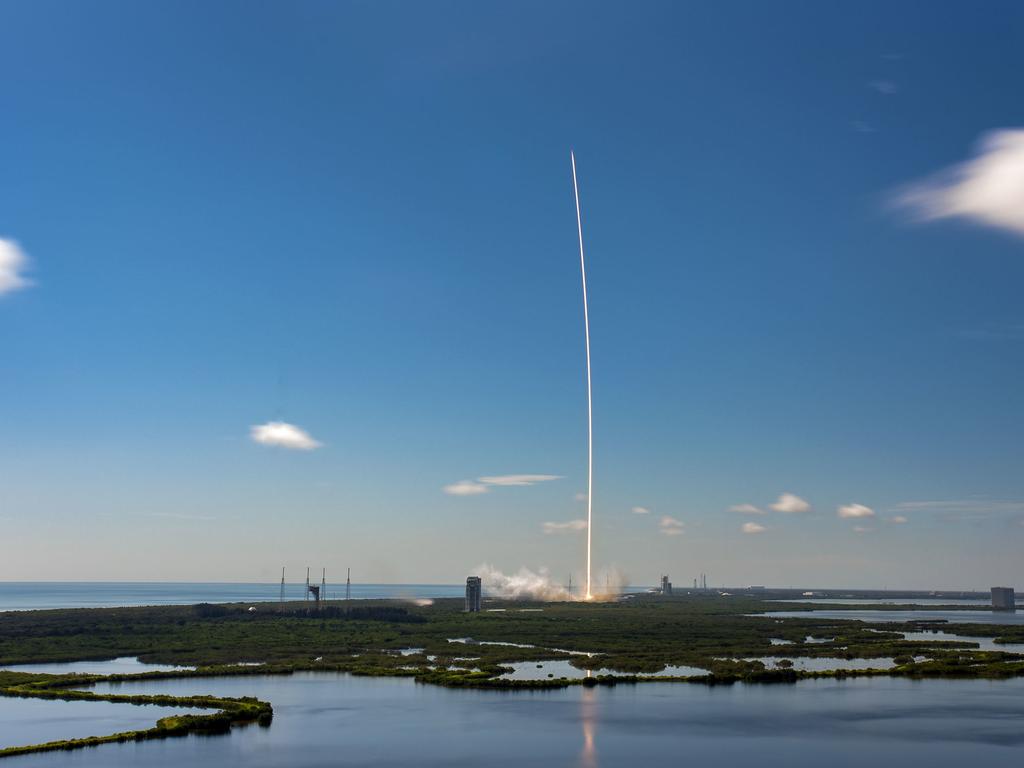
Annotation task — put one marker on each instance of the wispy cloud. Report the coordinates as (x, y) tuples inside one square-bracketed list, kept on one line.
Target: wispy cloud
[(747, 509), (790, 503), (898, 519), (569, 526), (484, 484), (581, 496), (862, 127), (507, 480), (884, 87), (753, 528), (961, 510), (13, 263), (861, 529), (987, 189), (465, 488), (280, 434), (640, 511), (854, 511), (669, 526)]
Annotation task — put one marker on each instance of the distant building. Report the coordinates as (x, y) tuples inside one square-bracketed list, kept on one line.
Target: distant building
[(1003, 599), (473, 592), (666, 586)]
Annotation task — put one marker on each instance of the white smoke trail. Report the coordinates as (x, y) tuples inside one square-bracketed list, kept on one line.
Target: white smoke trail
[(522, 585), (590, 406)]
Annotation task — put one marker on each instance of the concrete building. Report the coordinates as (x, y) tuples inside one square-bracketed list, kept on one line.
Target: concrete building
[(666, 586), (1003, 599), (473, 593)]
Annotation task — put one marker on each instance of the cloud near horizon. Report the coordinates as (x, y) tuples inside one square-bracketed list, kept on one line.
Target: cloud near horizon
[(987, 189), (669, 526), (790, 503), (570, 526), (280, 434), (640, 511), (484, 484), (13, 262), (848, 511), (962, 510), (753, 528)]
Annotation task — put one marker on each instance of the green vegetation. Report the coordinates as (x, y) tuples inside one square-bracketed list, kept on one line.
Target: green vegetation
[(225, 711), (632, 638)]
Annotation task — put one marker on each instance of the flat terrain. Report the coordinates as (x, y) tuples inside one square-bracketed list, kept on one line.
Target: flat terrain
[(716, 639)]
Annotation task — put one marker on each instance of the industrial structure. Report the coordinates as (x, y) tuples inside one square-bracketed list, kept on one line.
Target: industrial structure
[(473, 594), (1003, 599), (666, 586)]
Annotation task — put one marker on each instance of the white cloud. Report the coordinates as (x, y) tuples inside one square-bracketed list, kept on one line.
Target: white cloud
[(669, 526), (884, 87), (898, 519), (280, 434), (753, 528), (987, 189), (746, 509), (465, 488), (13, 262), (790, 504), (861, 529), (567, 527), (848, 511), (484, 484), (640, 511), (507, 480)]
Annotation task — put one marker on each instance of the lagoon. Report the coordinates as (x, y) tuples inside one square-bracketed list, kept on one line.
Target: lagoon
[(329, 719)]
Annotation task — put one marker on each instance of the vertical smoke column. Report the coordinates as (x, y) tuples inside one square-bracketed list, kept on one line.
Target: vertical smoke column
[(590, 405)]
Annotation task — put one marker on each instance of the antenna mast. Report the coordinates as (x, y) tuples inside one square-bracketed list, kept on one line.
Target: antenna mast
[(348, 585), (282, 583)]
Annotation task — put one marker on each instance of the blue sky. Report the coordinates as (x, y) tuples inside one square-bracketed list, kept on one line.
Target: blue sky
[(357, 218)]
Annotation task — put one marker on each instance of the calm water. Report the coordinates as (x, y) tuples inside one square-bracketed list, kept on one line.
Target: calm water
[(28, 596), (124, 665), (955, 617), (331, 719), (36, 721), (892, 601)]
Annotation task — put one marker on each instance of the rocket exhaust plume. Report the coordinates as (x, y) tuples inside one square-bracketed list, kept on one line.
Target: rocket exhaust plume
[(590, 402)]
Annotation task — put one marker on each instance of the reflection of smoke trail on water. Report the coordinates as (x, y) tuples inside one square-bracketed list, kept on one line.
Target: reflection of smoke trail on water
[(588, 755)]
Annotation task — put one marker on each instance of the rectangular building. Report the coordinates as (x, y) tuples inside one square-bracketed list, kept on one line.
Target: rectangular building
[(473, 593), (1003, 599), (666, 586)]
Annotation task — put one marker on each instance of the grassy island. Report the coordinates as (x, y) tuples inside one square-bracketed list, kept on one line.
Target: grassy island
[(717, 639)]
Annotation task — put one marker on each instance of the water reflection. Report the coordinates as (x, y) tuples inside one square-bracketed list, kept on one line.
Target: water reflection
[(588, 712)]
